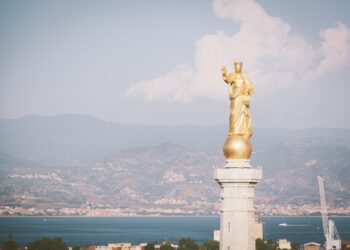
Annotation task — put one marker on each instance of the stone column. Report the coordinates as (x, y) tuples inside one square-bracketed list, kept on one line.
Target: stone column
[(237, 181)]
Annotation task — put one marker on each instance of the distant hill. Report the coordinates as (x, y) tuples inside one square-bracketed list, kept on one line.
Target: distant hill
[(56, 140), (64, 138), (72, 160)]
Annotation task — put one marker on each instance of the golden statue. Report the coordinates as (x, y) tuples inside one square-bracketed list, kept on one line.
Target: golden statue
[(237, 145)]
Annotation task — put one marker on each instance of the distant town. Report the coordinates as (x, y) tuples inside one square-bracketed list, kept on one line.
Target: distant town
[(99, 210)]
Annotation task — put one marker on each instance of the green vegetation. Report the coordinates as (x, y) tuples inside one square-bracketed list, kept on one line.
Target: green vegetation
[(184, 244), (166, 246), (271, 245), (48, 244), (150, 246), (188, 244), (265, 245), (295, 246), (210, 245), (9, 243)]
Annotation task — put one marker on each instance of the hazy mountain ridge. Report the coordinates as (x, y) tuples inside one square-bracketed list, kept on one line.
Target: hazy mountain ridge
[(61, 139), (165, 175)]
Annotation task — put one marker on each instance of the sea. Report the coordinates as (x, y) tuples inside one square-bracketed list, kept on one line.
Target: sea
[(87, 231)]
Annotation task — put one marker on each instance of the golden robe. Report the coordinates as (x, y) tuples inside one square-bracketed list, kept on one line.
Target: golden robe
[(240, 118)]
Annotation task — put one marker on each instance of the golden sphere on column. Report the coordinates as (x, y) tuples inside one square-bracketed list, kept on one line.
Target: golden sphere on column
[(237, 147)]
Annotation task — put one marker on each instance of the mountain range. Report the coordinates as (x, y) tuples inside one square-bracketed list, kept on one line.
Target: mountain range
[(74, 160)]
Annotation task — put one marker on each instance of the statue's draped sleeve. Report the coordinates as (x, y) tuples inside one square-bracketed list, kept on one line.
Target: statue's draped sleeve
[(249, 84)]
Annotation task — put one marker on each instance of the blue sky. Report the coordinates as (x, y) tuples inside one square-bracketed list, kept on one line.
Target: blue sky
[(158, 62)]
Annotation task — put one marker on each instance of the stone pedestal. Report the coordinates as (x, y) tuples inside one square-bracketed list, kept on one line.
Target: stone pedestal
[(237, 181)]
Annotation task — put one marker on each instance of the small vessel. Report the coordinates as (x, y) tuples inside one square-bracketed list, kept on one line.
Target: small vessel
[(293, 225)]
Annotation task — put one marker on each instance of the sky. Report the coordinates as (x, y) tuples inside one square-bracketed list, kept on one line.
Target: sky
[(158, 62)]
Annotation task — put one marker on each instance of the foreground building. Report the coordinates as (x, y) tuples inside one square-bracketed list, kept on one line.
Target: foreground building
[(119, 246), (284, 244), (312, 246)]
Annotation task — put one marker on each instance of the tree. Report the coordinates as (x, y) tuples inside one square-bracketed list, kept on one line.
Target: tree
[(9, 243), (76, 248), (187, 244), (260, 244), (294, 246), (265, 245), (48, 244), (211, 245), (166, 246), (149, 246)]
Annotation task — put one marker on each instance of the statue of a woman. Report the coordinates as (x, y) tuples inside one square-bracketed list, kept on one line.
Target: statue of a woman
[(240, 90), (237, 144)]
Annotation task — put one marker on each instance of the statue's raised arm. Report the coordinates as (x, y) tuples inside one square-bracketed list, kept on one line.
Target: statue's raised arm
[(228, 78), (224, 73)]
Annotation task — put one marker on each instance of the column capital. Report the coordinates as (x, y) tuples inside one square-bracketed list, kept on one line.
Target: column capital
[(238, 175)]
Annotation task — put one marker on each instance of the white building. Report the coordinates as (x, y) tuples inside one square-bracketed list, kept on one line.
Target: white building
[(118, 246), (312, 246), (284, 244), (216, 235), (259, 228)]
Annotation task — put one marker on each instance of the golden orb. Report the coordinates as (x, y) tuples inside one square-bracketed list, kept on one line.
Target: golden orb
[(237, 147)]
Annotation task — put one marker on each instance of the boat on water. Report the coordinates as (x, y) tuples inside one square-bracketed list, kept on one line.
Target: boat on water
[(293, 225)]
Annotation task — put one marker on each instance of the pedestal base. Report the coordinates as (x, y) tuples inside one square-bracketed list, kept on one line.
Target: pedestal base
[(237, 181)]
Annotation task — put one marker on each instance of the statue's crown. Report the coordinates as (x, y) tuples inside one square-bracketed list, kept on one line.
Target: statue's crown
[(238, 65)]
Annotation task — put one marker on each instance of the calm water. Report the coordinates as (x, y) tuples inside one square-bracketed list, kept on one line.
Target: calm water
[(86, 231)]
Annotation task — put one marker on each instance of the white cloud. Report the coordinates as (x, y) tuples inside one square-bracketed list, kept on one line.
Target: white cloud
[(276, 56), (172, 86), (335, 48)]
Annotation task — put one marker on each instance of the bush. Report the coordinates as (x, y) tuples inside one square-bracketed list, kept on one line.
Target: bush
[(295, 246), (9, 244), (149, 246), (187, 244), (166, 246), (211, 245), (265, 245), (48, 244)]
